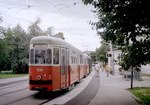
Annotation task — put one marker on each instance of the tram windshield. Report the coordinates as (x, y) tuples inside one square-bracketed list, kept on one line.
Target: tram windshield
[(40, 56)]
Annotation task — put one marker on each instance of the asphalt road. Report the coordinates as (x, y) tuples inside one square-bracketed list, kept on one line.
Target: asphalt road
[(17, 93), (87, 94)]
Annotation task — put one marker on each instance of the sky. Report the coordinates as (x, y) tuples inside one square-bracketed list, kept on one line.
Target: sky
[(71, 17)]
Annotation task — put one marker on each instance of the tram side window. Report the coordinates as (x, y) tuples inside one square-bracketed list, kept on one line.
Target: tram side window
[(32, 56), (40, 56), (56, 56), (75, 60), (81, 59), (49, 56), (71, 59)]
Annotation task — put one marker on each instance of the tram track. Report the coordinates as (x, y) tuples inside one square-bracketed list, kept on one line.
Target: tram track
[(11, 98), (54, 95), (38, 98), (9, 95), (20, 95), (13, 91), (9, 83), (12, 102)]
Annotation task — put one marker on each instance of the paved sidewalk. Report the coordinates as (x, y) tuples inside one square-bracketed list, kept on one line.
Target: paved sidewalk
[(113, 91)]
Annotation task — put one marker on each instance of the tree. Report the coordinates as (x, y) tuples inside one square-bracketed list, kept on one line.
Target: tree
[(93, 56), (59, 35), (20, 51), (126, 23), (34, 29), (1, 30), (4, 58), (4, 50), (101, 53), (48, 32), (14, 45), (17, 46)]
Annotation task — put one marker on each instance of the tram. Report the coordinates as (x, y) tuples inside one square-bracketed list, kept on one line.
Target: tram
[(55, 64)]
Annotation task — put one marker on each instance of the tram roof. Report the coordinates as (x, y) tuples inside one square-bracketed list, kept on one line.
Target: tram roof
[(52, 41)]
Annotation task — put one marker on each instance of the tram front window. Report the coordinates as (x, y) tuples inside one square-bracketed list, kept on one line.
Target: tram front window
[(40, 56), (49, 56), (32, 56)]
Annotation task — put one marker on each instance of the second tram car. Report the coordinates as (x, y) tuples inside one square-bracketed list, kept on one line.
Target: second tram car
[(54, 64)]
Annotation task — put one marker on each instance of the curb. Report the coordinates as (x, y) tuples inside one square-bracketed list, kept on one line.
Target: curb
[(136, 98)]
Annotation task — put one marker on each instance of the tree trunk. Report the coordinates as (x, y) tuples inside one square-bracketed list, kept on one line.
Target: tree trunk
[(131, 77)]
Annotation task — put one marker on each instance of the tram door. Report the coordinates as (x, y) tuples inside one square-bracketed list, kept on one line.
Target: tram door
[(64, 67)]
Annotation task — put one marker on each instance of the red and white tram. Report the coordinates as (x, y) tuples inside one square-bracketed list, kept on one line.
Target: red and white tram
[(55, 64)]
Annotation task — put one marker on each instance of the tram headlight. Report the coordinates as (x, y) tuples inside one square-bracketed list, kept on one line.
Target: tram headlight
[(38, 77)]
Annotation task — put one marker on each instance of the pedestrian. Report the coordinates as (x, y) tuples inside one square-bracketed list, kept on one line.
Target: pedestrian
[(97, 68), (107, 68)]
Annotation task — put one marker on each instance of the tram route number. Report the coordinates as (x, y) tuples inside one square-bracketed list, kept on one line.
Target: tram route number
[(39, 69)]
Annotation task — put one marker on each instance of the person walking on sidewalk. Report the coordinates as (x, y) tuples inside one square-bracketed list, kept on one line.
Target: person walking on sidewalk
[(97, 68), (107, 69)]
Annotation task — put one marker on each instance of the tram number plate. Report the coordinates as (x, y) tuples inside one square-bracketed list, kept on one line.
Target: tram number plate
[(39, 69)]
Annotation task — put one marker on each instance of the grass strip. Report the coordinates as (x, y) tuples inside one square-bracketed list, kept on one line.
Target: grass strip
[(4, 76), (142, 93), (146, 75)]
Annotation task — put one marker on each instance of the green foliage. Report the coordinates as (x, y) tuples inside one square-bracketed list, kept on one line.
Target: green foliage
[(93, 56), (11, 75), (101, 53), (126, 23), (4, 58), (17, 46), (59, 35), (34, 29), (48, 32), (14, 46)]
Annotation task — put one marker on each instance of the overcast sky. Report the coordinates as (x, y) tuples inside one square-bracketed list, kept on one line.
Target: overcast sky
[(71, 17)]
